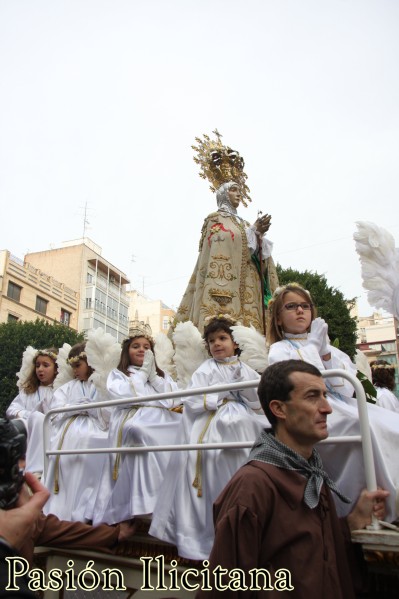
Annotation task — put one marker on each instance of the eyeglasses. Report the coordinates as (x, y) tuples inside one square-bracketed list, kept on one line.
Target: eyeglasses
[(293, 306)]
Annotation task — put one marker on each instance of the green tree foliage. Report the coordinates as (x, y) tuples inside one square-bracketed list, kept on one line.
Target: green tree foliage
[(14, 339), (331, 305)]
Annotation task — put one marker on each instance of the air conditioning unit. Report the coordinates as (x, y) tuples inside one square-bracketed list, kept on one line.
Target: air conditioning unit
[(112, 279)]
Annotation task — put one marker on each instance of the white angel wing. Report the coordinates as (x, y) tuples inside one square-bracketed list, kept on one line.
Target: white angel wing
[(164, 353), (362, 364), (65, 372), (103, 353), (380, 266), (26, 366), (190, 351), (252, 345)]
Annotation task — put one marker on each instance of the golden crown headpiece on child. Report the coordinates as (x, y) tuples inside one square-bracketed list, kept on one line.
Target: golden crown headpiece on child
[(45, 352), (289, 287), (138, 328), (29, 357), (220, 164), (228, 317), (75, 359), (383, 366)]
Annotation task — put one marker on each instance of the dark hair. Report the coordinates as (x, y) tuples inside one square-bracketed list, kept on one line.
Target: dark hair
[(219, 324), (78, 349), (124, 361), (383, 374), (275, 383)]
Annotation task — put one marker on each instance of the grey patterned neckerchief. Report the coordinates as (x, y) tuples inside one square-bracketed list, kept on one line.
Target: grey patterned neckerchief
[(268, 449)]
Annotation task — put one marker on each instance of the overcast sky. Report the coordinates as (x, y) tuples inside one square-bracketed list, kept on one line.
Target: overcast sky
[(100, 102)]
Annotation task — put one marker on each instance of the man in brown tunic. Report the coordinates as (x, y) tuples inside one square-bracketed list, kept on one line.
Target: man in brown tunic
[(276, 529)]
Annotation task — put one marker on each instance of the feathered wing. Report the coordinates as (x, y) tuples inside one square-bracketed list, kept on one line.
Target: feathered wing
[(190, 351), (65, 372), (103, 353), (26, 366), (164, 353), (252, 345), (380, 266), (363, 364)]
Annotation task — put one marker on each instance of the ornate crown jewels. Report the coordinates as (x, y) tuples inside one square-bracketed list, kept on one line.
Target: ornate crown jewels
[(138, 328), (220, 164)]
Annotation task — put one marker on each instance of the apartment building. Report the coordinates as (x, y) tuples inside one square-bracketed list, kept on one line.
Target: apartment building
[(377, 337), (101, 285), (28, 293), (153, 312)]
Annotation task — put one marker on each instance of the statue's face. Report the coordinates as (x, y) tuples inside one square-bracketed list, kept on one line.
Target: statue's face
[(234, 196)]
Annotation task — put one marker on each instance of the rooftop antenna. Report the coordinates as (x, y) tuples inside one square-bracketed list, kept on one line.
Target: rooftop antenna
[(85, 221), (132, 261), (143, 278)]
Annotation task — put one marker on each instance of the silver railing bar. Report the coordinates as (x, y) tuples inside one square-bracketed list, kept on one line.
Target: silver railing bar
[(185, 447), (365, 435), (135, 400)]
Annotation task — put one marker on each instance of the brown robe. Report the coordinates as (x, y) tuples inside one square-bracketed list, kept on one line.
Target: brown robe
[(52, 532), (261, 521)]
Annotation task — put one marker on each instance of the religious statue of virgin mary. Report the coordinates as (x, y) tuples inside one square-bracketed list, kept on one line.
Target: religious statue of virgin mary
[(235, 274)]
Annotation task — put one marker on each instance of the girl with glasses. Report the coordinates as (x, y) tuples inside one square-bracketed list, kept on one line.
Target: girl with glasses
[(295, 333)]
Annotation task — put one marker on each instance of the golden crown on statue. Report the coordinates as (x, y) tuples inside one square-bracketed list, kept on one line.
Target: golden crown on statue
[(220, 164)]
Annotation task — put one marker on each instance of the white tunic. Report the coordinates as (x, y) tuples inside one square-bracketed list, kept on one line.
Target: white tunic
[(129, 484), (30, 408), (75, 475), (344, 462), (386, 399), (26, 403), (183, 515)]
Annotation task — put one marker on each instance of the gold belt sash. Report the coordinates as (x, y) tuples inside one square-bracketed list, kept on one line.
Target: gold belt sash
[(57, 459), (197, 482), (115, 471)]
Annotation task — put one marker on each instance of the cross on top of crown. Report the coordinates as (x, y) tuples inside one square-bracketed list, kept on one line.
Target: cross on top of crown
[(218, 135)]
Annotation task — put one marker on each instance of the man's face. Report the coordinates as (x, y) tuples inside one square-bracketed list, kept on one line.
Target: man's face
[(303, 420)]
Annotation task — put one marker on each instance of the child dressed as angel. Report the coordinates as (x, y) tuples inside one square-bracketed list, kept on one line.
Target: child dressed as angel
[(194, 479), (72, 478)]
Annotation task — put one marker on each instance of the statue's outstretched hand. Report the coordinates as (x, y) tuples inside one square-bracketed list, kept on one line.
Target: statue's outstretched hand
[(262, 224)]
